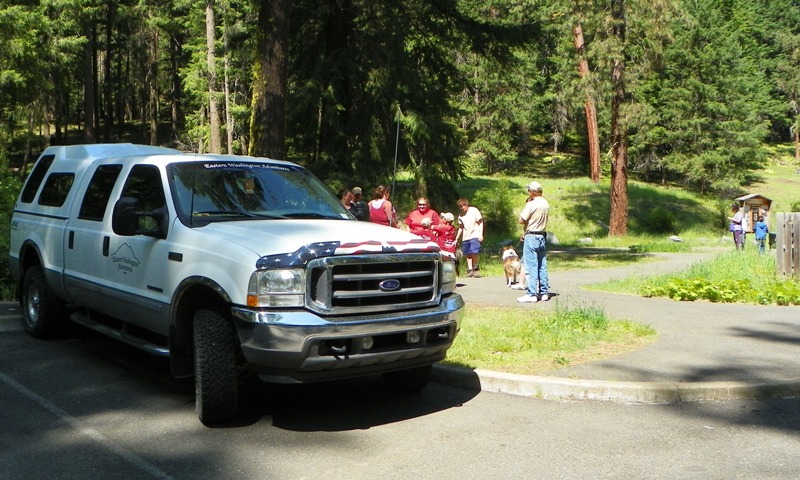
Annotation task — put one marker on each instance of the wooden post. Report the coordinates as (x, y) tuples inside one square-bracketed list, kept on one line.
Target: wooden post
[(795, 255), (788, 244)]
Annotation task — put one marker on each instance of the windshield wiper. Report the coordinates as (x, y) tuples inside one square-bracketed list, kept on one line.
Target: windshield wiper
[(237, 213), (311, 215)]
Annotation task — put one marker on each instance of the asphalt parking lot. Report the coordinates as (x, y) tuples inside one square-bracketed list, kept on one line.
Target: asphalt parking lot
[(87, 407)]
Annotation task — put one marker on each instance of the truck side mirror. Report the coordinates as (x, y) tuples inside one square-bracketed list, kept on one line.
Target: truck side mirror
[(127, 220)]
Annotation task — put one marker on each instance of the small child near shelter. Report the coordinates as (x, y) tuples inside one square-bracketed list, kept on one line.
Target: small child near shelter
[(761, 229)]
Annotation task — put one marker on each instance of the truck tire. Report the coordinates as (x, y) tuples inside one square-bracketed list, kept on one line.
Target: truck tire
[(42, 311), (216, 382), (411, 380)]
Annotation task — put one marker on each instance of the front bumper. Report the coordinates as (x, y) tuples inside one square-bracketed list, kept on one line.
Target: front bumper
[(299, 346)]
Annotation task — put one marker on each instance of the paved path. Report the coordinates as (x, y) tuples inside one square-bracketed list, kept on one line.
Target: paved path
[(704, 350)]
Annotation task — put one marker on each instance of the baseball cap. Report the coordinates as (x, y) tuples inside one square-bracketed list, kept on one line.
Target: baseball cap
[(448, 217), (356, 190), (534, 187)]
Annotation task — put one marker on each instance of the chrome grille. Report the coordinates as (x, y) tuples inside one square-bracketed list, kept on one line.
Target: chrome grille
[(373, 283)]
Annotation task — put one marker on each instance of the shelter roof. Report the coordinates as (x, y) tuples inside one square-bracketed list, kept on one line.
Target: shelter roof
[(752, 196)]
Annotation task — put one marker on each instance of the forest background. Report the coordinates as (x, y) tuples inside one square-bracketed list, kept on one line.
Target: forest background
[(689, 93)]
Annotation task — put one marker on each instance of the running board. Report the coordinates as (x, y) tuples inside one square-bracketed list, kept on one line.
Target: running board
[(138, 342)]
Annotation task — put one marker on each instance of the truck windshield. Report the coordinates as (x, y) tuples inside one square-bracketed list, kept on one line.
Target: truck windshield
[(219, 191)]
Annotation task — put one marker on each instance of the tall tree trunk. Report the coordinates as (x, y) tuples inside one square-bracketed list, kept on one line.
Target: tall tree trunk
[(618, 221), (108, 103), (88, 83), (797, 139), (797, 144), (215, 134), (336, 119), (62, 113), (592, 137), (176, 87), (121, 99), (48, 121), (28, 141), (96, 79), (226, 90), (228, 117), (153, 90), (268, 117)]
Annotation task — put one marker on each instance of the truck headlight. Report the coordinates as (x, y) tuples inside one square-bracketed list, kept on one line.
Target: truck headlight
[(448, 276), (276, 288)]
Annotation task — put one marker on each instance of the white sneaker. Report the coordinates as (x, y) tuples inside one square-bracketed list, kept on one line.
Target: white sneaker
[(527, 299), (545, 298), (517, 286)]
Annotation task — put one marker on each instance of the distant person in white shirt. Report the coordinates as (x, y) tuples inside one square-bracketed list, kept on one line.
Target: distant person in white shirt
[(470, 231)]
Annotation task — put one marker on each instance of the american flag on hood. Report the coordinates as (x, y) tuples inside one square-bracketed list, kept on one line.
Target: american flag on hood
[(304, 254)]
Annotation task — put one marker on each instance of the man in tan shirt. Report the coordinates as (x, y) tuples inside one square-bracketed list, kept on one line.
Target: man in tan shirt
[(534, 217)]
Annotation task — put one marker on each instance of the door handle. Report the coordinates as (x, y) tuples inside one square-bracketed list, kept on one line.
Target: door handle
[(106, 241)]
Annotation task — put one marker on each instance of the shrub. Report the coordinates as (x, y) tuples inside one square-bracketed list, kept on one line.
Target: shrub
[(442, 195), (744, 277), (781, 293), (9, 188), (495, 205), (660, 220), (699, 289)]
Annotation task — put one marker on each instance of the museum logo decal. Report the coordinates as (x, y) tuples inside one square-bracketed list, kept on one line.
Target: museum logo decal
[(125, 259)]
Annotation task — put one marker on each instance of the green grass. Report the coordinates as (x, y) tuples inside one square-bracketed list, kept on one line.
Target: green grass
[(530, 342), (779, 180), (731, 277), (579, 209)]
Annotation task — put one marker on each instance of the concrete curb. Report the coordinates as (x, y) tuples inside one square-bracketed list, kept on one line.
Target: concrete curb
[(556, 388)]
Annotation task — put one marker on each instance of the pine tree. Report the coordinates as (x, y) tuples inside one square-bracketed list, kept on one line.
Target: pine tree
[(711, 100)]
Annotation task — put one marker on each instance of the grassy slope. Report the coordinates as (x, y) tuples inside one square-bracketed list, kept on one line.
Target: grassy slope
[(580, 209), (779, 180)]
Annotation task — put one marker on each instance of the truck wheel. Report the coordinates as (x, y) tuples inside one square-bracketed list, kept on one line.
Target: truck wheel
[(410, 380), (216, 382), (42, 311)]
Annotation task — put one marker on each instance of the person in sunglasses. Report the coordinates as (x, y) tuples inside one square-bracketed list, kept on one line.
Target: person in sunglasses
[(415, 219)]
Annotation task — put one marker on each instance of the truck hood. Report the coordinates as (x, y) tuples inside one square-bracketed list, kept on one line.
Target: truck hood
[(306, 239)]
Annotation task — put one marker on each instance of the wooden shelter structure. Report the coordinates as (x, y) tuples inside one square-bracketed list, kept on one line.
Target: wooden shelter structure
[(754, 205)]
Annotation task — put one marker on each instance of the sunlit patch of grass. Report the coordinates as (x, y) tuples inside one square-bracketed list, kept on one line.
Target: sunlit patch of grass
[(520, 340), (731, 277)]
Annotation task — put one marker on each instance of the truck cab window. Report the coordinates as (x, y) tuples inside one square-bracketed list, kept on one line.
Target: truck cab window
[(95, 200), (56, 189), (36, 177), (144, 184)]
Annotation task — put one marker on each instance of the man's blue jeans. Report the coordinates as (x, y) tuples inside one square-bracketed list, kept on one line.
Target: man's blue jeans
[(535, 258)]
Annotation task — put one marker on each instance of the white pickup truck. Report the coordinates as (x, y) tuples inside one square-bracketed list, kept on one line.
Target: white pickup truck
[(228, 265)]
